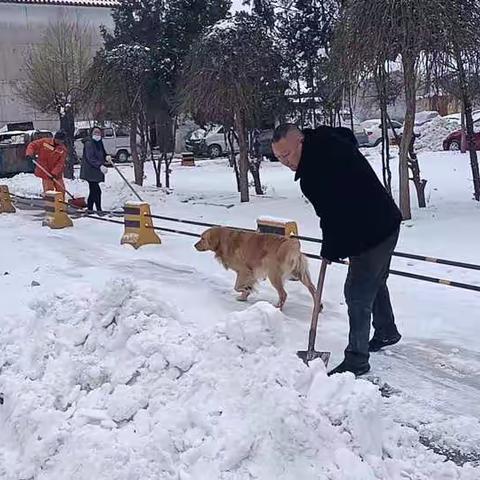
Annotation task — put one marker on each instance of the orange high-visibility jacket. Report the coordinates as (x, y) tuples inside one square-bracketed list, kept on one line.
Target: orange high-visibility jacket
[(51, 156)]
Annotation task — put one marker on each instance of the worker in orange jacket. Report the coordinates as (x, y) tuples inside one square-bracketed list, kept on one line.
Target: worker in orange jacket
[(51, 154)]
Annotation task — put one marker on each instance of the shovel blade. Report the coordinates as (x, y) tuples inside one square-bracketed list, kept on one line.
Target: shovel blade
[(78, 202), (308, 355)]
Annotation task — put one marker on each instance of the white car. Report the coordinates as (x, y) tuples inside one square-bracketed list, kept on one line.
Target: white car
[(211, 142), (116, 141), (373, 129)]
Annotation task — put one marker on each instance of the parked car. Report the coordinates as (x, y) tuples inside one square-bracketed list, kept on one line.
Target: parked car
[(358, 130), (116, 140), (211, 142), (373, 129), (13, 145), (453, 141)]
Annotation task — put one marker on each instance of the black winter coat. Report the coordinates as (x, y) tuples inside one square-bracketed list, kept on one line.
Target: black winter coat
[(356, 212), (93, 158)]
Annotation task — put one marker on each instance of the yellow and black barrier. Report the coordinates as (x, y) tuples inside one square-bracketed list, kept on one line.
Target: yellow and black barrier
[(56, 211), (6, 205), (139, 231), (138, 225), (188, 159), (415, 276), (277, 226), (410, 256)]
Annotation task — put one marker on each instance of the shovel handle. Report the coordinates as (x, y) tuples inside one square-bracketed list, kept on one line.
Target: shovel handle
[(54, 180), (317, 305), (124, 179)]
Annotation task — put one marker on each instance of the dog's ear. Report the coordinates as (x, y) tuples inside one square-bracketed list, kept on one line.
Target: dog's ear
[(212, 237)]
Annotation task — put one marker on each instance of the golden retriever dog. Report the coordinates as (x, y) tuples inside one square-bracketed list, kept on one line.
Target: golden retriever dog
[(255, 256)]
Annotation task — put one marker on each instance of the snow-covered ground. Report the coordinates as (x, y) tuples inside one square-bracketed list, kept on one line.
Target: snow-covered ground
[(140, 364)]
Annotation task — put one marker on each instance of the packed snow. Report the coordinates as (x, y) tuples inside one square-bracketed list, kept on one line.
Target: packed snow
[(118, 363)]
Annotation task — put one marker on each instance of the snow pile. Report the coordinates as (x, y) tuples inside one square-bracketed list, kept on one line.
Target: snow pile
[(120, 385), (115, 192), (432, 134)]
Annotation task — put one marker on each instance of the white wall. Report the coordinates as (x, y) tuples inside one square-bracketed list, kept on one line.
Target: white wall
[(22, 25)]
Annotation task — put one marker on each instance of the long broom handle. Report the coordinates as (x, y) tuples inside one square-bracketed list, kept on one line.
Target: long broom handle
[(317, 305), (46, 172), (125, 180)]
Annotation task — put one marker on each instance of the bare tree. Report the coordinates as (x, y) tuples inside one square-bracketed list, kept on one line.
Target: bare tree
[(456, 67), (57, 78), (407, 31), (229, 75), (121, 77)]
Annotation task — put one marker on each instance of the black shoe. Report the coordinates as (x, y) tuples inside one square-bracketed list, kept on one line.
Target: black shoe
[(377, 344), (343, 367)]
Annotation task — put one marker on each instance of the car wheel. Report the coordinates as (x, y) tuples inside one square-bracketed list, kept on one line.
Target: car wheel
[(214, 151), (454, 145), (122, 156)]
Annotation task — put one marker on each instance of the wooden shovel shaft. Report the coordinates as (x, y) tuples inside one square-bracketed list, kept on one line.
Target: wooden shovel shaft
[(317, 306)]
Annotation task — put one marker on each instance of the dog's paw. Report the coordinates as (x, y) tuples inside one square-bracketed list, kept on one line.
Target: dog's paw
[(244, 296), (280, 305)]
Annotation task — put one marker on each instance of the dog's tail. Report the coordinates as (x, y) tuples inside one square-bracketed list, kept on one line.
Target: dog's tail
[(300, 268), (300, 271)]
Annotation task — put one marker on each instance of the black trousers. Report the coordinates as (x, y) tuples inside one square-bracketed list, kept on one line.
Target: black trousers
[(366, 294), (95, 196)]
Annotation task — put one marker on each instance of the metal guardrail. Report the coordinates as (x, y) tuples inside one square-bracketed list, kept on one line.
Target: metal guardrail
[(426, 278)]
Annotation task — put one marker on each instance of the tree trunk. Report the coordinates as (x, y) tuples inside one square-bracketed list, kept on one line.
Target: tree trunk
[(171, 152), (419, 183), (243, 163), (157, 167), (137, 163), (463, 138), (157, 164), (385, 121), (471, 149), (410, 100), (350, 106), (467, 110), (255, 171), (166, 130), (67, 124), (233, 157)]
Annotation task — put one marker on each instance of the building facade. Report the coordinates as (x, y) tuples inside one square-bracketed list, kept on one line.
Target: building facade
[(22, 25)]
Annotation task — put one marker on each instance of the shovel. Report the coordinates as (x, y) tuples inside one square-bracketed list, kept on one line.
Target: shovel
[(109, 160), (78, 202), (311, 354)]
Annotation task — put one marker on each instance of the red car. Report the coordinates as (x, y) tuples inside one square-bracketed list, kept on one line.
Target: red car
[(452, 142)]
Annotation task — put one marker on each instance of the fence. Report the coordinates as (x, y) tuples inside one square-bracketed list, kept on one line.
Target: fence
[(145, 225)]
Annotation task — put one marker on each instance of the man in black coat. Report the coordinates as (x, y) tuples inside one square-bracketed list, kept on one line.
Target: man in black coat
[(359, 220)]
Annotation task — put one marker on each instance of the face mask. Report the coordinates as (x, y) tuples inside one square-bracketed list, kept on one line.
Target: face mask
[(97, 138)]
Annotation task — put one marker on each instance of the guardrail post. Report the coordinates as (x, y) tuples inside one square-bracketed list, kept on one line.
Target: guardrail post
[(56, 211), (138, 225), (188, 159), (6, 205)]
